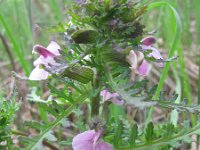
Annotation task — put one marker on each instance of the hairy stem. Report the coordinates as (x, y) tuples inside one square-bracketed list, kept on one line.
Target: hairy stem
[(95, 101)]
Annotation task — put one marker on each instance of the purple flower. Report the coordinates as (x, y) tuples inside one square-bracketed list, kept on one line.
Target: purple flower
[(90, 140), (46, 60), (147, 45), (148, 41), (138, 64), (113, 97)]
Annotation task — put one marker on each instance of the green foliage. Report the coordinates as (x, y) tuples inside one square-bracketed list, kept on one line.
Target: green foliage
[(162, 136), (8, 108), (81, 74), (97, 39), (58, 111), (149, 132), (84, 36)]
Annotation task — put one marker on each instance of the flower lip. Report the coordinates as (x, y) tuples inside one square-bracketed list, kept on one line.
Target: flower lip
[(42, 51), (138, 64), (148, 41), (113, 97), (90, 140)]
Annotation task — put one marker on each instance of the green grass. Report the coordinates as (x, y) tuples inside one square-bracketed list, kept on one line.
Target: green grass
[(171, 51), (196, 11), (16, 47), (18, 17), (17, 30), (17, 20), (170, 25)]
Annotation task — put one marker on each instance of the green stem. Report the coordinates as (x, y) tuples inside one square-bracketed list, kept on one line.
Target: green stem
[(95, 101), (9, 143)]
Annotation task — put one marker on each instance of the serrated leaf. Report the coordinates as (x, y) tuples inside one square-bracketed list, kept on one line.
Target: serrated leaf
[(59, 93), (118, 133), (149, 132), (57, 107), (133, 135), (34, 124), (48, 109), (35, 142)]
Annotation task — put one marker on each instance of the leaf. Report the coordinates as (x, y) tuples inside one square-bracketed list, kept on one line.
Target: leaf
[(33, 97), (118, 133), (59, 93), (85, 36), (79, 73), (36, 142), (133, 135), (34, 124), (149, 132), (57, 107), (48, 109)]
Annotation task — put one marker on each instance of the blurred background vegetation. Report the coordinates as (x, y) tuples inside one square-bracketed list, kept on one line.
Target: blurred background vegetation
[(24, 23)]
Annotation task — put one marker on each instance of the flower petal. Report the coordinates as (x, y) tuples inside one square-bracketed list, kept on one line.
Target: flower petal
[(39, 61), (140, 57), (117, 101), (155, 54), (113, 97), (148, 41), (54, 48), (42, 51), (83, 145), (84, 141), (38, 74), (131, 58), (143, 68), (103, 146), (133, 73), (106, 95)]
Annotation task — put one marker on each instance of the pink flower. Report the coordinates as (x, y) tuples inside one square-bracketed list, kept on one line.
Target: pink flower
[(46, 59), (90, 140), (147, 45), (113, 97), (138, 64)]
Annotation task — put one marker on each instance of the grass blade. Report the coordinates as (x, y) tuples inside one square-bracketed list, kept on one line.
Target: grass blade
[(16, 47), (175, 43)]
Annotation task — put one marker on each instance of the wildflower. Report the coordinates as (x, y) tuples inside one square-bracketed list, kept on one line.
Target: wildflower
[(46, 60), (147, 45), (113, 97), (90, 140), (138, 64)]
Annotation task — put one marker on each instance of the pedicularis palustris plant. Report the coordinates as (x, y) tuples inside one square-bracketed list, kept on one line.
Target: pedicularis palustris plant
[(103, 66)]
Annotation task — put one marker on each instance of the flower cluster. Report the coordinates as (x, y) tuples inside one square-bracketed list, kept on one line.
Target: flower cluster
[(45, 60), (136, 58)]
